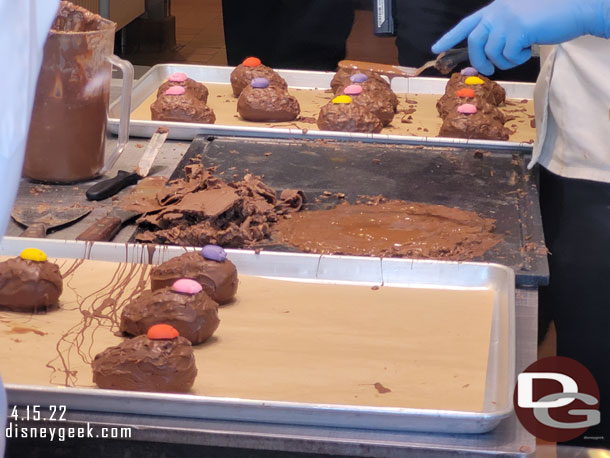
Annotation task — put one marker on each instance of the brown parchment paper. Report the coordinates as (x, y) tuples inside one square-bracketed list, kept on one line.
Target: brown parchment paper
[(280, 340), (424, 122)]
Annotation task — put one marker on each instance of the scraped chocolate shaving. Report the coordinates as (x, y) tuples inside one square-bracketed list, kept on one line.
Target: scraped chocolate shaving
[(204, 209)]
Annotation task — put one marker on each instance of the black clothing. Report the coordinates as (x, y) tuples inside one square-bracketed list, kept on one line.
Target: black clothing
[(299, 34), (576, 221)]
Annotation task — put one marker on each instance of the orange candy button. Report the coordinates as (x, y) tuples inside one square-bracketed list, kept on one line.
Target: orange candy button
[(465, 93), (162, 332), (251, 62)]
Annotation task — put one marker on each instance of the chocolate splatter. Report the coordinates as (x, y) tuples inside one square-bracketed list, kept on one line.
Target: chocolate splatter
[(100, 309), (381, 389)]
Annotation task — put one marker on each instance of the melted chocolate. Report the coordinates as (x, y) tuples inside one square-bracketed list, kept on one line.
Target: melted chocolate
[(101, 309), (390, 228), (68, 128), (218, 279), (29, 285), (195, 317), (142, 364)]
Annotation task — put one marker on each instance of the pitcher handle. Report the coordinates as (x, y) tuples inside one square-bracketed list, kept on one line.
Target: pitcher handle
[(127, 71)]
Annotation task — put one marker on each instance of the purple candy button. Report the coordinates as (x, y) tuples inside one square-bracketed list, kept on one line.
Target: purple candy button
[(214, 253), (469, 71), (260, 83), (187, 286), (358, 78)]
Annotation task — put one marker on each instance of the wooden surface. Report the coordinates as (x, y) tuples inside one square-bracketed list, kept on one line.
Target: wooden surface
[(280, 340)]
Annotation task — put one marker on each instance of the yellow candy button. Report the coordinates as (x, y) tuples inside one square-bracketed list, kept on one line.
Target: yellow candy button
[(342, 99), (474, 80), (33, 254)]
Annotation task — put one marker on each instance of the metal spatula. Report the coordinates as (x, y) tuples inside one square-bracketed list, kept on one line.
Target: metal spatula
[(445, 62), (41, 219)]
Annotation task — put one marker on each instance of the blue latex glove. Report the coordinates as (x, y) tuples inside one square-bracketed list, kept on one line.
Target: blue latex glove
[(503, 32)]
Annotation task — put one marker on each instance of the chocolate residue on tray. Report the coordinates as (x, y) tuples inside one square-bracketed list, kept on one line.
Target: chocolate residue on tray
[(381, 389), (390, 228), (101, 309), (204, 209)]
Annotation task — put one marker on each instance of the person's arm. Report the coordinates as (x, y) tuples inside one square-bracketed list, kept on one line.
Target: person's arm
[(502, 33), (24, 26)]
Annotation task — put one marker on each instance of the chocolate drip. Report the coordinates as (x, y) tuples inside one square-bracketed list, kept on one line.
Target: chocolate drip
[(100, 309)]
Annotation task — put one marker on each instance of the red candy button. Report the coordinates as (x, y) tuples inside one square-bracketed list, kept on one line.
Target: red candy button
[(465, 93), (251, 62), (162, 332)]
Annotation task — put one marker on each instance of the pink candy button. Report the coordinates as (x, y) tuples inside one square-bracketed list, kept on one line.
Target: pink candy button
[(353, 89), (175, 90), (187, 286), (467, 108), (177, 78)]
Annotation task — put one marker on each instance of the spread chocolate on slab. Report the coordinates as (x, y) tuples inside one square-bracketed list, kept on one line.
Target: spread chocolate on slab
[(390, 228)]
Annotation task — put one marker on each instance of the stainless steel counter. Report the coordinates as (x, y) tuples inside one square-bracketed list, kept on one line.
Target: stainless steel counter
[(509, 439)]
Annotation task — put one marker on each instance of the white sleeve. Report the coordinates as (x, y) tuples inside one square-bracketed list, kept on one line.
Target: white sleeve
[(24, 26)]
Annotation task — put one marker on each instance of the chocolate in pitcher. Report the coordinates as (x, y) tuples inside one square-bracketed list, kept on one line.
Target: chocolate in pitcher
[(67, 135)]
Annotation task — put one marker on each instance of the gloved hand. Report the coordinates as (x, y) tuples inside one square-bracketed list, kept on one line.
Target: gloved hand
[(503, 32)]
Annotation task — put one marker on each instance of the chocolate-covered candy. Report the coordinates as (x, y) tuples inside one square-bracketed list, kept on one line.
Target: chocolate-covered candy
[(29, 282), (477, 125), (193, 314), (491, 91), (346, 116), (197, 90), (379, 105), (251, 68), (262, 101), (144, 364), (180, 105), (218, 279)]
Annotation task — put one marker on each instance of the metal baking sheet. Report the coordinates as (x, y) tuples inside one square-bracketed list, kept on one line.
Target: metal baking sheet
[(295, 79), (309, 268), (494, 185)]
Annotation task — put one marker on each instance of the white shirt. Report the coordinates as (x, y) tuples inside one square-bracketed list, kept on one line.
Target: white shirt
[(572, 100), (24, 25)]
